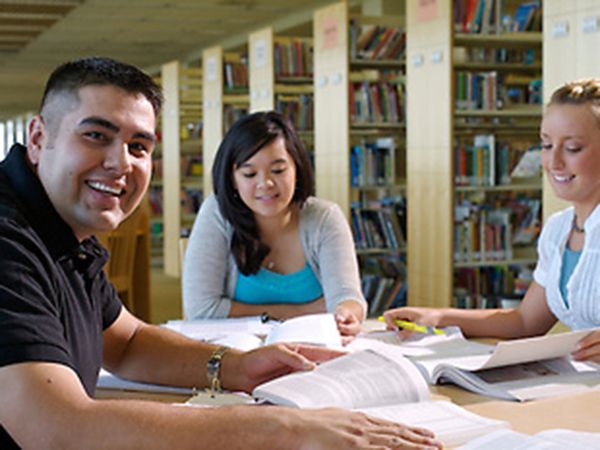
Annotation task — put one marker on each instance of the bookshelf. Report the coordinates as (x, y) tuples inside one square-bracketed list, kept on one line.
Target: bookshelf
[(225, 99), (281, 76), (474, 242), (359, 137), (181, 163)]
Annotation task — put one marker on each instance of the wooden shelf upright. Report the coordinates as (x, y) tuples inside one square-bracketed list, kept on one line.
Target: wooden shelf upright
[(219, 96), (181, 150)]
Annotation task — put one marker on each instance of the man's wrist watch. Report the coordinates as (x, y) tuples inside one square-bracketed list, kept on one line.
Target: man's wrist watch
[(213, 368)]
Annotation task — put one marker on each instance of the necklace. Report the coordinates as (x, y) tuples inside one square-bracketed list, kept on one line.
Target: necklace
[(576, 227), (270, 265)]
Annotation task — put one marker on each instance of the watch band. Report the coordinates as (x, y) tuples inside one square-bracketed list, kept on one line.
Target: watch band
[(213, 368)]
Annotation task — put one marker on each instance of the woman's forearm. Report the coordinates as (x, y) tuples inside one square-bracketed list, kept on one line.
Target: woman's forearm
[(277, 310)]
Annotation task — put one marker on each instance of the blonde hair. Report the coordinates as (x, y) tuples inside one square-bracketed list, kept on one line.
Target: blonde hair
[(579, 92)]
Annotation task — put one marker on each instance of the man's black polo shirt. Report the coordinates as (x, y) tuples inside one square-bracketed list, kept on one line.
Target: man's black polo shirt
[(55, 300)]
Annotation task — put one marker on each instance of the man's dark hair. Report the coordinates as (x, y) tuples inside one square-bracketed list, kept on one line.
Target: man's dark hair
[(245, 138), (72, 76)]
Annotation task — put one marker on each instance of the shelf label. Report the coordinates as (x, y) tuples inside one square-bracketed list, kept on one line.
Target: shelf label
[(589, 24), (560, 29), (417, 60), (260, 53), (322, 81), (211, 69), (437, 56), (330, 31), (426, 10)]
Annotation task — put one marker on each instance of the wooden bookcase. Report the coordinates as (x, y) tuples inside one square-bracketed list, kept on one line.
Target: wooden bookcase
[(358, 107), (281, 75), (182, 166), (224, 96), (439, 60)]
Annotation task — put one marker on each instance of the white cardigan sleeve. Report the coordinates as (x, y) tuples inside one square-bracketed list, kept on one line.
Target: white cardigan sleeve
[(334, 254), (205, 270)]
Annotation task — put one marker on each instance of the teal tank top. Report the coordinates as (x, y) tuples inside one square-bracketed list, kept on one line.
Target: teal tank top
[(271, 287), (569, 261)]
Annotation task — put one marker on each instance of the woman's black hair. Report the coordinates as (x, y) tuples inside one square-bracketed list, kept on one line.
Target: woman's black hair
[(245, 138)]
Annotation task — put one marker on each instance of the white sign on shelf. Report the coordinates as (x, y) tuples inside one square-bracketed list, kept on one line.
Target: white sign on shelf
[(589, 24), (560, 29), (417, 60), (211, 69), (437, 56), (260, 53)]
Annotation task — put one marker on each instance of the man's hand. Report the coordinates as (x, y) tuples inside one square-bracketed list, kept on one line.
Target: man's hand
[(324, 429), (245, 371)]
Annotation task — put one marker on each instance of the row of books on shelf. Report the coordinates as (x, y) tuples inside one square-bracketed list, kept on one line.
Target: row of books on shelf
[(191, 199), (487, 232), (383, 281), (490, 163), (376, 42), (231, 114), (383, 293), (373, 163), (491, 91), (489, 16), (191, 166), (492, 55), (293, 57), (377, 102), (491, 287), (235, 74), (381, 227), (299, 109)]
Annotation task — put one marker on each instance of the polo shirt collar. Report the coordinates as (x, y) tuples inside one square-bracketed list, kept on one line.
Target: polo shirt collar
[(39, 210)]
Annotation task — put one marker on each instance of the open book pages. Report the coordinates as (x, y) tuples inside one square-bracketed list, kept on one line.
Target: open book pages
[(521, 369), (546, 440), (250, 332), (387, 386), (451, 424), (107, 380)]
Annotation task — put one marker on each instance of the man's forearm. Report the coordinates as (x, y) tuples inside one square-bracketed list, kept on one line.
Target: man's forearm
[(149, 425), (161, 356)]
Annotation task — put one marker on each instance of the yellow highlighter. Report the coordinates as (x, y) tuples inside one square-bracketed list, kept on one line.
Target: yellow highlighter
[(411, 326)]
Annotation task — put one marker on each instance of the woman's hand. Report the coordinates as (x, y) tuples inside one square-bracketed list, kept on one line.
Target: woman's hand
[(423, 316), (348, 316), (588, 348)]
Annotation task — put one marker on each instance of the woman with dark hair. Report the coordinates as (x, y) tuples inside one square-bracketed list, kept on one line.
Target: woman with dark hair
[(262, 243)]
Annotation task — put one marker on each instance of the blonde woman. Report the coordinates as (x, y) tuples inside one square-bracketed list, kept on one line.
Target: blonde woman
[(566, 284)]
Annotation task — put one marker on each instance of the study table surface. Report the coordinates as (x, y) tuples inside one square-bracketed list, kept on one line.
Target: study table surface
[(579, 412)]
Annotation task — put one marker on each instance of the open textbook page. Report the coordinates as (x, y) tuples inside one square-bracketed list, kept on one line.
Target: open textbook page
[(247, 333), (521, 369), (107, 380), (546, 440), (387, 386)]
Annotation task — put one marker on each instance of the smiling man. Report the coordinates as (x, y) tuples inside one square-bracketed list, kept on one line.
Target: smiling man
[(84, 170)]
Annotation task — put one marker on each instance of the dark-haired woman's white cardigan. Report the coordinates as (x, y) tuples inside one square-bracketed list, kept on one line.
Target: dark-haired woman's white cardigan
[(210, 272)]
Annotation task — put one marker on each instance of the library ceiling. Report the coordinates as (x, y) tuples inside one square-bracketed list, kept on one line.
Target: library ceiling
[(37, 35)]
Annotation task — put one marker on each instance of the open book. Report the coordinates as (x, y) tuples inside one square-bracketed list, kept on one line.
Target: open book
[(385, 386), (521, 369), (556, 439), (251, 332)]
